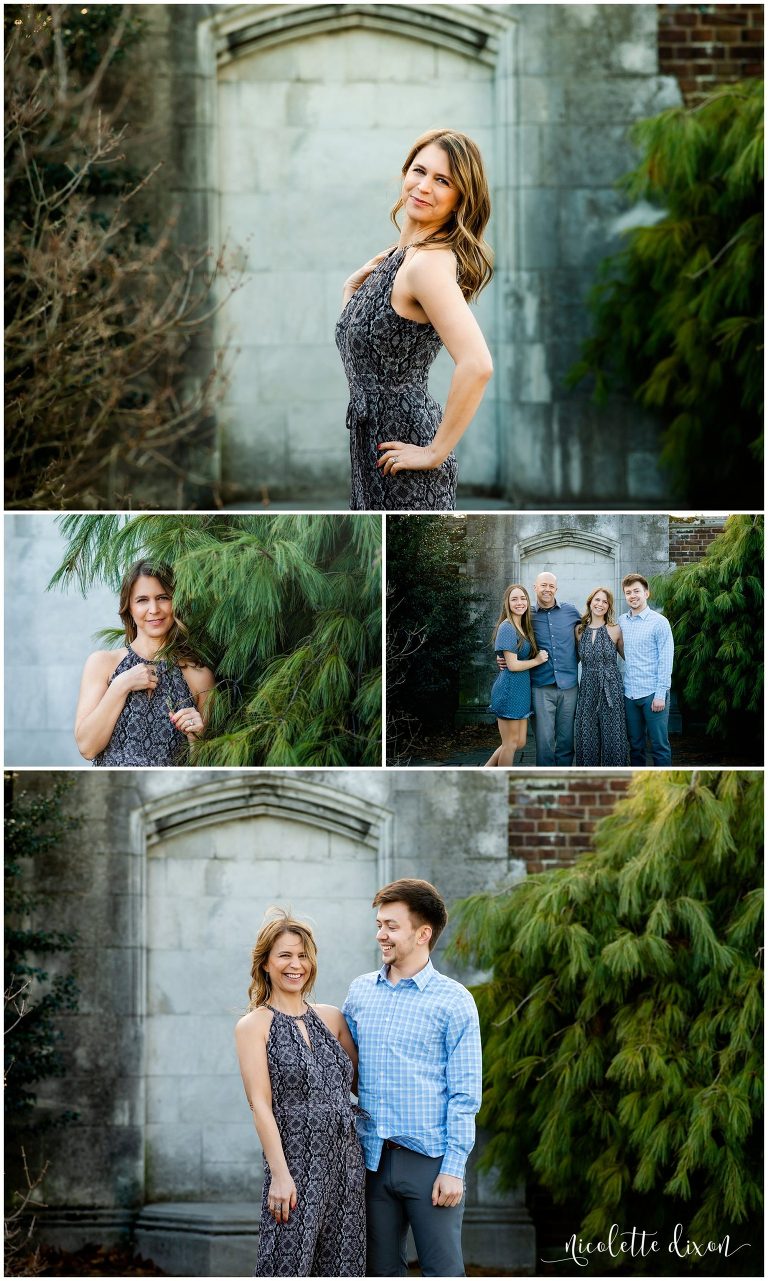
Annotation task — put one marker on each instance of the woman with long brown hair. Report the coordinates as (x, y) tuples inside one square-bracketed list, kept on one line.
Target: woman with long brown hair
[(298, 1062), (514, 641), (399, 309), (600, 729), (142, 704)]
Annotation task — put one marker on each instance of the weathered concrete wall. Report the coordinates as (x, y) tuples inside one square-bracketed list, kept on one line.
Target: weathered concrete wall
[(583, 551), (96, 888), (306, 198), (48, 636), (586, 72)]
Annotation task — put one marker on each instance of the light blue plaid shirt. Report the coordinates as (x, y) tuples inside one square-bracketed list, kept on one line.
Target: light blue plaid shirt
[(648, 653), (420, 1073)]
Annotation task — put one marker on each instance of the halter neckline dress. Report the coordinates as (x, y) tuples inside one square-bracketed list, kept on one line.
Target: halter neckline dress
[(143, 733), (311, 1085), (387, 359), (600, 728)]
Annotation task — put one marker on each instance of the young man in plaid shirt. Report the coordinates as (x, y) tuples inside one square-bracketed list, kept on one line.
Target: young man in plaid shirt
[(420, 1085)]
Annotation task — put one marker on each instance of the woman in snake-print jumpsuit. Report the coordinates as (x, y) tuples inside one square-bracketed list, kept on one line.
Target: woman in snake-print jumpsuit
[(401, 441), (298, 1062), (325, 1235), (600, 730)]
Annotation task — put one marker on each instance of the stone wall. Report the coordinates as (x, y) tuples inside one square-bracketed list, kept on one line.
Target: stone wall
[(48, 636), (706, 45), (552, 818)]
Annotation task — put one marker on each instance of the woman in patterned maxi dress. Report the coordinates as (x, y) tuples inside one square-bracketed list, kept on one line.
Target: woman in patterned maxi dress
[(600, 729), (298, 1063), (399, 309), (511, 694), (143, 704)]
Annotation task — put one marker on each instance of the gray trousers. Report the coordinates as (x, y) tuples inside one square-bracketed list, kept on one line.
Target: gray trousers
[(554, 711), (399, 1195)]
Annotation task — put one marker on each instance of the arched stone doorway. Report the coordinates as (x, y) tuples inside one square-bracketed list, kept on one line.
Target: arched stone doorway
[(216, 857), (312, 109), (581, 561)]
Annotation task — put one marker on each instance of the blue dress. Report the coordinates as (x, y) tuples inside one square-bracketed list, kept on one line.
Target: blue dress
[(511, 693)]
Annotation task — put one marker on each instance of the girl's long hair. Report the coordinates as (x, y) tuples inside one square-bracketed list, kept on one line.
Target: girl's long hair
[(610, 617), (463, 232), (524, 624), (176, 647), (279, 922)]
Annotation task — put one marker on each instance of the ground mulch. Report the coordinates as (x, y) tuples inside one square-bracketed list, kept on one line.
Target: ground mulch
[(91, 1261)]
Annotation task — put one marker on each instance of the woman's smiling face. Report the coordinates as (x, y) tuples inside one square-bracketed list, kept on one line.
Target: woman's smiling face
[(151, 607), (517, 601), (429, 192), (599, 605)]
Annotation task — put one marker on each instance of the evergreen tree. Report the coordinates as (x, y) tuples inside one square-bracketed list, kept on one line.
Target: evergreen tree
[(622, 1018), (285, 609), (715, 608), (33, 998), (431, 624), (679, 312)]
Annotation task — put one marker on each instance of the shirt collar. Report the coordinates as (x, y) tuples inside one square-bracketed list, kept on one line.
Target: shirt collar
[(537, 607), (642, 614), (420, 980)]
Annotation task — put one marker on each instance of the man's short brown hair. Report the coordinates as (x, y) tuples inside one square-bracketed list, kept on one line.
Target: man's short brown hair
[(628, 579), (423, 901)]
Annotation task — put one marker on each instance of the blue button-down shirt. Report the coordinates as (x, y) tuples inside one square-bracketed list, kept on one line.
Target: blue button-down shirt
[(420, 1070), (648, 653), (554, 632)]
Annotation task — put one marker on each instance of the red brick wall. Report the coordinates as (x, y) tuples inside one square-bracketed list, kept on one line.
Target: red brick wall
[(688, 543), (706, 45), (551, 819)]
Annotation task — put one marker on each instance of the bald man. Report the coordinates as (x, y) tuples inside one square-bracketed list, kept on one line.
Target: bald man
[(555, 684)]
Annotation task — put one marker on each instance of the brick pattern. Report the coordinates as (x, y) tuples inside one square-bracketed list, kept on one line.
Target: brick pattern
[(551, 819), (688, 543), (706, 45)]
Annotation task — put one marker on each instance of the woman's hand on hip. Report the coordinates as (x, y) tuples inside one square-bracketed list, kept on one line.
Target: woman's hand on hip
[(188, 720), (397, 456), (142, 676), (281, 1198)]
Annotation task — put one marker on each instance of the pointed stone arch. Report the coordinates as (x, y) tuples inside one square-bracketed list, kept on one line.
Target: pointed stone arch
[(471, 29)]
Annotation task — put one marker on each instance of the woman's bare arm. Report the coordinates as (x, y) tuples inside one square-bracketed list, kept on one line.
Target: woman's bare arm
[(251, 1041), (100, 703), (431, 282), (201, 681), (515, 664)]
